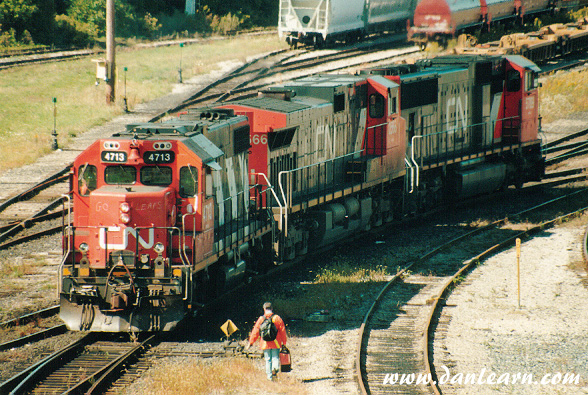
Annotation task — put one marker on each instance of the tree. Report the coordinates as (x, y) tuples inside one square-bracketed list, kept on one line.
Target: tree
[(17, 14), (93, 14)]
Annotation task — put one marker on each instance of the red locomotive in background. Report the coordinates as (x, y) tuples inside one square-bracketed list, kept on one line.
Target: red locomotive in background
[(168, 215), (440, 20)]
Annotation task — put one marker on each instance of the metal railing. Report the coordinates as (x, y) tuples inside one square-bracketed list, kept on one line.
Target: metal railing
[(441, 147), (239, 219)]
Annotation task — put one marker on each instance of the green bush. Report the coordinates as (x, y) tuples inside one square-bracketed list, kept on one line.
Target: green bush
[(70, 32), (7, 39), (226, 24), (181, 22)]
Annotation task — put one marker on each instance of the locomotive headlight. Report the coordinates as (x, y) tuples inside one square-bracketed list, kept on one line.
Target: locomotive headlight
[(125, 218), (159, 248), (125, 207), (84, 247)]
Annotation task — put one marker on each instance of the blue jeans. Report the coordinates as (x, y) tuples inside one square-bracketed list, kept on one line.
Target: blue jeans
[(272, 361)]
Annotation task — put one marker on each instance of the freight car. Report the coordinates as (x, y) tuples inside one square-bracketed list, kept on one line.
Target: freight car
[(320, 22), (440, 20), (167, 215), (547, 43)]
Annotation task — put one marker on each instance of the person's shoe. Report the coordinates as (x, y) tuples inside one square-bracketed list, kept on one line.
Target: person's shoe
[(274, 373)]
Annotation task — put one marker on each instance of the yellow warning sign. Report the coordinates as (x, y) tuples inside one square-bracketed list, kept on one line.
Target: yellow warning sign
[(229, 328)]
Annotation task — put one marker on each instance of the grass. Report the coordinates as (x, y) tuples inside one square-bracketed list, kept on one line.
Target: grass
[(562, 94), (26, 93), (217, 376), (17, 268), (339, 287)]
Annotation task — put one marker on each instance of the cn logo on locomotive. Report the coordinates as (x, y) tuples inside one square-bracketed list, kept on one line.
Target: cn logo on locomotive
[(125, 236)]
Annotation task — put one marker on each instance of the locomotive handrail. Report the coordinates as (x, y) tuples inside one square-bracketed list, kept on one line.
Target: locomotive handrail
[(287, 200), (285, 215), (418, 155), (184, 255), (270, 187), (66, 247), (412, 143), (411, 167)]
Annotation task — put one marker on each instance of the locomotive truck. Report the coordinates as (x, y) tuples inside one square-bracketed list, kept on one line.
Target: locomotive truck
[(168, 215)]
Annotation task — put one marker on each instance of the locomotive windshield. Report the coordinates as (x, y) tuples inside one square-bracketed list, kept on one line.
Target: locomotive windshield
[(120, 175), (156, 175)]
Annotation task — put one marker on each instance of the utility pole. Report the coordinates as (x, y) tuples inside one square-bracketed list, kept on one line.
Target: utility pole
[(110, 52)]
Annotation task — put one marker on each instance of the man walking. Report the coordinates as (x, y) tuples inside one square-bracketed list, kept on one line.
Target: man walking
[(271, 330)]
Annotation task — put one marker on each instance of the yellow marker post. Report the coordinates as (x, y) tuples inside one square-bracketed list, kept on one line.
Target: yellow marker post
[(229, 328), (519, 271)]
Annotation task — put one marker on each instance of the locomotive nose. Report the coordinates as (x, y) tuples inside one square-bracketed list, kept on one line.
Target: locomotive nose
[(132, 206)]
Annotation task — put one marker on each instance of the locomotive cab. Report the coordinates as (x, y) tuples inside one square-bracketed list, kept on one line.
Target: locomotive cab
[(385, 129), (135, 209), (521, 100), (119, 249)]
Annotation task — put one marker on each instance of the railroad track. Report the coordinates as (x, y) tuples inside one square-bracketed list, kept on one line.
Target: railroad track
[(17, 58), (286, 66), (97, 364), (258, 72), (397, 331), (82, 367), (31, 327)]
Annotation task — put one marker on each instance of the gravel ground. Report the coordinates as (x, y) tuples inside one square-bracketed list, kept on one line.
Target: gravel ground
[(489, 332)]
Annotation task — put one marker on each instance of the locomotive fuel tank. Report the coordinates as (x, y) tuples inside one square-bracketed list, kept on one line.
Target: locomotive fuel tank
[(477, 180), (339, 220)]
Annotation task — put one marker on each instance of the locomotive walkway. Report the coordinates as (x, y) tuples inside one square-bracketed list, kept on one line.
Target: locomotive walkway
[(18, 180)]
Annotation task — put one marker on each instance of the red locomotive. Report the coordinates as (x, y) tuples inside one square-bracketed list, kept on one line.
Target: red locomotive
[(166, 215), (439, 20)]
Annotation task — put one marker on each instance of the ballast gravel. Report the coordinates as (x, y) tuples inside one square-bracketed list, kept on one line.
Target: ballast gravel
[(490, 337)]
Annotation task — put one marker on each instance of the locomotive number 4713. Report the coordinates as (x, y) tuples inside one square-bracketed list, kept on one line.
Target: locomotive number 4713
[(114, 156), (159, 157)]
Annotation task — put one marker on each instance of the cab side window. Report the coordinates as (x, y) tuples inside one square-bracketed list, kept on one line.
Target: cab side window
[(376, 104), (531, 81), (513, 81), (87, 175), (188, 181)]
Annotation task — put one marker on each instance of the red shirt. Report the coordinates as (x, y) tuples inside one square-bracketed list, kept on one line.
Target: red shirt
[(280, 338)]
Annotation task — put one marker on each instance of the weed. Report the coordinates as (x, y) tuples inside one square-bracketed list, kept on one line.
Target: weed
[(219, 376), (562, 94)]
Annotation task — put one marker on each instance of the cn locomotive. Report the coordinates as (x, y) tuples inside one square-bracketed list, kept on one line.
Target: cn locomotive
[(166, 216), (321, 22)]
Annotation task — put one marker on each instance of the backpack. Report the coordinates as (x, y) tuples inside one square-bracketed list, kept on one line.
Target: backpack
[(268, 329)]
